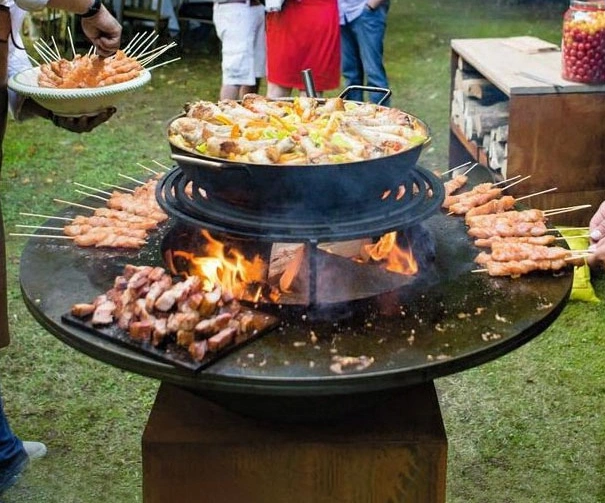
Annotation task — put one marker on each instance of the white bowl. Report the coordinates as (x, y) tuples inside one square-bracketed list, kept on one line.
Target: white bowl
[(70, 102)]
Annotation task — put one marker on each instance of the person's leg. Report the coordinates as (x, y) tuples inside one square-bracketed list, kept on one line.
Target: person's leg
[(234, 28), (352, 69), (13, 457), (369, 28), (275, 91)]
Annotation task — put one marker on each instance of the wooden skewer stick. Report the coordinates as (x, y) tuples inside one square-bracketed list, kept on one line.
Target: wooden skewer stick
[(162, 64), (495, 184), (536, 194), (162, 48), (57, 52), (43, 53), (455, 168), (558, 211), (140, 41), (46, 216), (515, 183), (146, 168), (75, 204), (142, 52), (92, 188), (57, 236), (161, 165), (39, 227), (132, 42), (87, 194), (154, 55), (48, 49), (470, 169), (125, 189), (131, 179), (33, 60), (71, 42)]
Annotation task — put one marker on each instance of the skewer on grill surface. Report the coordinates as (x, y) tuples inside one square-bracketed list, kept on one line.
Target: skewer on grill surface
[(477, 196), (124, 221)]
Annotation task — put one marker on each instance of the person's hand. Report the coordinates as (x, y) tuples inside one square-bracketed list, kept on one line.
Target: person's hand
[(83, 123), (104, 31), (74, 123), (597, 238)]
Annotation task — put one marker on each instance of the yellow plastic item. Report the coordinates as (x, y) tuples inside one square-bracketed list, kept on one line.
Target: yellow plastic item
[(582, 287)]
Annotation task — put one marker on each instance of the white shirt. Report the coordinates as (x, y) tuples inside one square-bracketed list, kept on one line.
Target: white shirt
[(350, 9), (17, 57)]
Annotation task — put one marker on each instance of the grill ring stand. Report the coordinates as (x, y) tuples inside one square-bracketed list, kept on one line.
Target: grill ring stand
[(293, 224), (415, 335)]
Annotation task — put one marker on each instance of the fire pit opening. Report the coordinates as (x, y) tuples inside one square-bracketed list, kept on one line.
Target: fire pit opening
[(302, 273)]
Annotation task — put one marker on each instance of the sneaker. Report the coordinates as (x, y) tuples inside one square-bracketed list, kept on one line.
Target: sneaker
[(34, 450)]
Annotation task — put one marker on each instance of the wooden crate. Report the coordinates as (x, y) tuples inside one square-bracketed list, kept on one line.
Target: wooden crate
[(194, 450)]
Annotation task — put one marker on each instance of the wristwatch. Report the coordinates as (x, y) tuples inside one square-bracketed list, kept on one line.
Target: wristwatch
[(370, 7), (93, 9)]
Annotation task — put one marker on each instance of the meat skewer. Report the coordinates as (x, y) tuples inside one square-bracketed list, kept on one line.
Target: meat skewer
[(515, 269), (546, 239), (98, 241), (479, 195), (531, 215), (509, 229), (510, 252), (505, 203)]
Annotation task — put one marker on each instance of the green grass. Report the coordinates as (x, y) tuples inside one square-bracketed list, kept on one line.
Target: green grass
[(528, 427)]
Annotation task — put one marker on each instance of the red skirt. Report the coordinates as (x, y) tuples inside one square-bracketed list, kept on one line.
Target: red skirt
[(305, 34)]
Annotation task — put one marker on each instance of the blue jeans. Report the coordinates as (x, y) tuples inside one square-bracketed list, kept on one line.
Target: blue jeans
[(362, 43), (13, 457)]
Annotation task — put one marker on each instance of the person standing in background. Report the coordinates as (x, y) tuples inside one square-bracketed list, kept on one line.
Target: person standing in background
[(362, 29), (104, 31), (304, 35), (240, 26)]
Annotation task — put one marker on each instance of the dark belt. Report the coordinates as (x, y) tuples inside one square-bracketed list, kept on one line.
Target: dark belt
[(253, 3)]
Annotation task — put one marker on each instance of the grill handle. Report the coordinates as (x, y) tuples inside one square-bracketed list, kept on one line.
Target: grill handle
[(370, 89), (307, 77), (213, 165)]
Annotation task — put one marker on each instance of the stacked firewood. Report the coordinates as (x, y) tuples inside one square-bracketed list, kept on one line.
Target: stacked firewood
[(480, 111)]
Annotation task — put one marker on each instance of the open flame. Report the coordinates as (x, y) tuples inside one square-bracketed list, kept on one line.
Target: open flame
[(395, 258), (222, 264), (226, 266)]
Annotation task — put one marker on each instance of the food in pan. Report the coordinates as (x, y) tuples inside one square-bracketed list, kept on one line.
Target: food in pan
[(89, 71), (302, 131), (154, 309)]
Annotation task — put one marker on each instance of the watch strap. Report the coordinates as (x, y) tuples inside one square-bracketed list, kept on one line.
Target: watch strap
[(93, 9)]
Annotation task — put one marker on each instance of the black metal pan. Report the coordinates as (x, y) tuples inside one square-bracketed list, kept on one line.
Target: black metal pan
[(318, 188)]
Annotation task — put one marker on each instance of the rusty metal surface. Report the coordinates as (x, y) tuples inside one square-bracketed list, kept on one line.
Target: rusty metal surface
[(447, 320)]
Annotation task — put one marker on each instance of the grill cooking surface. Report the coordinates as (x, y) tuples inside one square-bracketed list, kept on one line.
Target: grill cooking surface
[(447, 320)]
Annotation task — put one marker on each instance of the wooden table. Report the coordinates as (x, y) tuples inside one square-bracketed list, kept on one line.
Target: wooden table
[(556, 128)]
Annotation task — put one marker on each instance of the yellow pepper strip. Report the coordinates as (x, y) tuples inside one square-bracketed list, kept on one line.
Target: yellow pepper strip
[(280, 124), (235, 131), (223, 119)]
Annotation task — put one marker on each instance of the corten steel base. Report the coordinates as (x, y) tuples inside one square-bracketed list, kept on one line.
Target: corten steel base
[(194, 450)]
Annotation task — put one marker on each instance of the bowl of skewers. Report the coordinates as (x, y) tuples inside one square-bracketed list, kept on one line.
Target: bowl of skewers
[(87, 84)]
